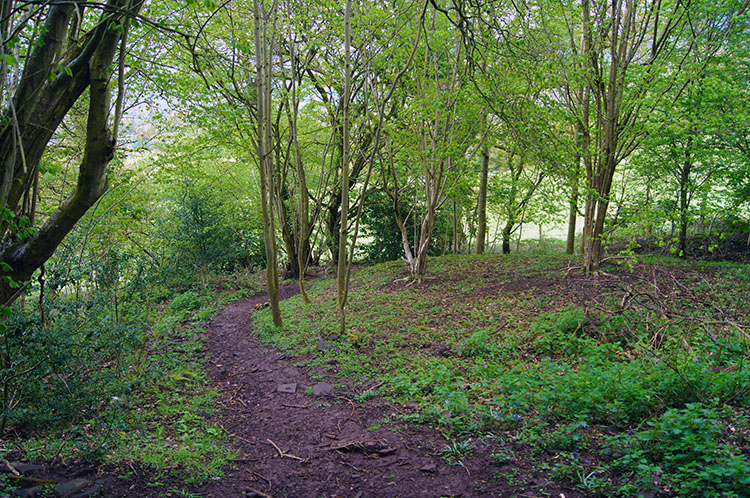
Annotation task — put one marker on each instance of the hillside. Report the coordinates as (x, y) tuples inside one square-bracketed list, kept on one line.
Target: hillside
[(630, 381)]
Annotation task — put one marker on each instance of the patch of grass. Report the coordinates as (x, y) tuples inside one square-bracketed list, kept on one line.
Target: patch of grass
[(457, 450)]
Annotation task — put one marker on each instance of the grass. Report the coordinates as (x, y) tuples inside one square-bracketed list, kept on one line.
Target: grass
[(514, 345)]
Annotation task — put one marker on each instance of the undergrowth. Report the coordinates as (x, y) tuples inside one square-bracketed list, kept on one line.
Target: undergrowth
[(615, 367), (106, 387)]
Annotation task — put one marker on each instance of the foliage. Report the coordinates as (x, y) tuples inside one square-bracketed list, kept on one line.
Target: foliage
[(203, 237), (684, 450), (88, 373), (379, 226)]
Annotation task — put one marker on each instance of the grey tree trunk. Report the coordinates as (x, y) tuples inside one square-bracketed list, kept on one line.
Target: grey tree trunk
[(41, 101), (482, 205), (265, 155)]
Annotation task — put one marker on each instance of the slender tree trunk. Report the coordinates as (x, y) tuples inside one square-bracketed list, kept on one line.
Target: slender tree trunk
[(573, 214), (572, 218), (685, 198), (455, 227), (265, 155), (303, 249), (342, 248), (482, 207)]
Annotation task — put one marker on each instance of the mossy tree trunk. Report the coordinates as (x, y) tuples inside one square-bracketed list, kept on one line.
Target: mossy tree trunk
[(263, 52), (55, 76)]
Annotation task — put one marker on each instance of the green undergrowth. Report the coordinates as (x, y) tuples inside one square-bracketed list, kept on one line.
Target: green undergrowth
[(512, 347), (118, 388)]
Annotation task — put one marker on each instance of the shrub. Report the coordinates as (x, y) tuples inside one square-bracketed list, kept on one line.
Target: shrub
[(684, 448)]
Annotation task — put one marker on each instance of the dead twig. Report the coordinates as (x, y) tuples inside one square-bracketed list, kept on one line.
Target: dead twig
[(57, 453), (338, 424), (240, 438), (10, 467), (282, 454), (501, 327), (254, 493), (364, 471), (270, 484), (372, 388), (286, 405)]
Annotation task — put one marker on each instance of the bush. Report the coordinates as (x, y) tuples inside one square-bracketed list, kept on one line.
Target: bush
[(66, 369), (684, 451), (187, 301)]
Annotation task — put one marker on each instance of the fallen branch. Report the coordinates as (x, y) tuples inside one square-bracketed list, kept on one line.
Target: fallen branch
[(10, 467), (254, 493), (372, 446), (282, 454), (286, 405), (34, 480)]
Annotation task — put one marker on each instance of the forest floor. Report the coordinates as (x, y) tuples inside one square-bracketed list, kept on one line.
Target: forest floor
[(298, 436), (302, 437), (496, 376)]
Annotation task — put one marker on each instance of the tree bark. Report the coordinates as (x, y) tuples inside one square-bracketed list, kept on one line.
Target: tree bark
[(342, 247), (685, 197), (265, 155), (573, 213), (41, 102), (482, 206)]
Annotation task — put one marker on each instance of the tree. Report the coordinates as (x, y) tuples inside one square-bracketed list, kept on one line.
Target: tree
[(633, 56), (50, 68), (263, 78), (443, 122)]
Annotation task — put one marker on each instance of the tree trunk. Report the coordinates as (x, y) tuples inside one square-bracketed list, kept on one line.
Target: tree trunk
[(304, 232), (342, 248), (573, 213), (685, 198), (41, 102), (507, 231), (265, 156), (419, 266), (482, 207)]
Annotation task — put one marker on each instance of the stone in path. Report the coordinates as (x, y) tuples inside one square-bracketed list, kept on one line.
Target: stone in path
[(71, 487), (287, 388), (322, 389)]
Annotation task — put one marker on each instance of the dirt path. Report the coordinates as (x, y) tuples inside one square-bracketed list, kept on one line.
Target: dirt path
[(292, 442)]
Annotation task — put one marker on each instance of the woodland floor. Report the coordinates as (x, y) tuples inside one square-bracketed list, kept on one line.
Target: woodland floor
[(302, 444), (302, 431), (327, 448)]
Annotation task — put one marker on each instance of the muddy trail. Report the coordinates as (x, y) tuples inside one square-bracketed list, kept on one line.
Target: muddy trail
[(300, 437)]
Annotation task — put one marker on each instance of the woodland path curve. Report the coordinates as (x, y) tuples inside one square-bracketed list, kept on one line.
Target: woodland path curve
[(327, 448)]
